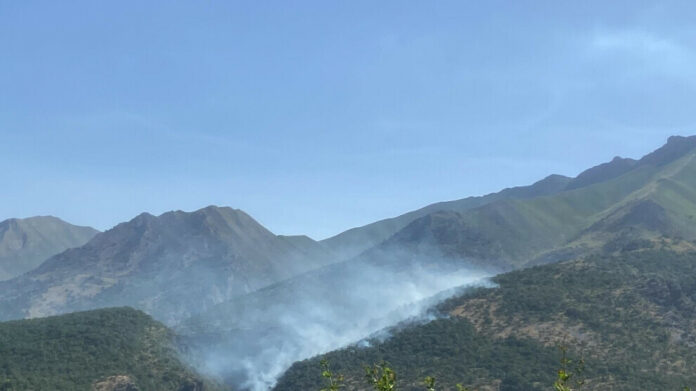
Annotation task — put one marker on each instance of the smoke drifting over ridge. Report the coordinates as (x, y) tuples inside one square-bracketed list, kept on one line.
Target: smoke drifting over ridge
[(251, 341)]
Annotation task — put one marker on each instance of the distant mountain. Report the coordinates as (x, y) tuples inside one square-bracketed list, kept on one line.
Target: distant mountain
[(25, 243), (656, 197), (309, 247), (630, 316), (356, 240), (170, 266), (116, 349)]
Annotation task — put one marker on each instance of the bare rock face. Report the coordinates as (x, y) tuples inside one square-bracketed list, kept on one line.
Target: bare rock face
[(116, 383)]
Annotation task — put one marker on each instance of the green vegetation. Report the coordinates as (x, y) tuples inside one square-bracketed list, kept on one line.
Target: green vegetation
[(333, 382), (383, 378), (630, 315), (645, 203), (72, 352), (567, 377), (449, 349)]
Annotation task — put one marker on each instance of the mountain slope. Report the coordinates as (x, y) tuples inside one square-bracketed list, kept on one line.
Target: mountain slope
[(603, 172), (631, 315), (356, 240), (250, 340), (649, 203), (170, 266), (515, 232), (25, 243), (90, 350)]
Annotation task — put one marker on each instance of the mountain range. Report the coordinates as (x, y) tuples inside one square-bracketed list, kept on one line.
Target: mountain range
[(227, 284), (614, 207), (169, 265), (606, 209), (556, 215)]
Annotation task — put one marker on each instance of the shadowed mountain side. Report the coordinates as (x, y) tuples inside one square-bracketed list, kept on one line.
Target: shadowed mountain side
[(25, 243), (170, 266)]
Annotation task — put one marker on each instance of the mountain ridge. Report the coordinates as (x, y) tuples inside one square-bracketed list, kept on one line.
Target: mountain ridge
[(554, 222), (151, 262), (356, 240)]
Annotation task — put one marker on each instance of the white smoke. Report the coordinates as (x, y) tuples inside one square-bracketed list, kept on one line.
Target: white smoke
[(251, 342)]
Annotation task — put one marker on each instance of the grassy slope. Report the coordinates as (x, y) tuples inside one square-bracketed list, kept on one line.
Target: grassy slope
[(632, 315), (354, 241), (519, 231), (71, 352)]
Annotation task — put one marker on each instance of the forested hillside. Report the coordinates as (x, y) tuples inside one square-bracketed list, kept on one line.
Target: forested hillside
[(88, 350), (629, 314)]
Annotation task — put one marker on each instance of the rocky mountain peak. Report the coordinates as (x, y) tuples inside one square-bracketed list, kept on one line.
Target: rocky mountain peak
[(676, 147)]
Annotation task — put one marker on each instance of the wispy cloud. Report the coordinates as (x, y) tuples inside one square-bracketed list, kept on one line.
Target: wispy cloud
[(640, 42), (657, 53)]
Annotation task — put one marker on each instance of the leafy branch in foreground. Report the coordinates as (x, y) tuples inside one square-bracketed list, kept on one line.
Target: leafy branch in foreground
[(381, 377), (430, 384), (334, 382), (568, 377)]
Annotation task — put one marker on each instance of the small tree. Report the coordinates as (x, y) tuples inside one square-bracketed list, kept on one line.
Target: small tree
[(567, 377), (429, 383), (333, 382), (381, 377)]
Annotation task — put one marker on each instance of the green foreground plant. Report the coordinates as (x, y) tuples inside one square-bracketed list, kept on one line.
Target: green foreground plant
[(383, 378), (567, 377), (333, 382)]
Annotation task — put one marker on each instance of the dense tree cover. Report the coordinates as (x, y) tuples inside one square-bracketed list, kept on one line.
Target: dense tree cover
[(71, 352), (449, 349), (381, 377), (630, 314)]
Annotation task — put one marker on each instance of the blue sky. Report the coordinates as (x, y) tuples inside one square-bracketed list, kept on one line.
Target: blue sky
[(318, 116)]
